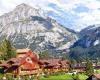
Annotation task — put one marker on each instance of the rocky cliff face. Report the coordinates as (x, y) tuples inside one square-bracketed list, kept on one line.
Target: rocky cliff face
[(25, 27), (89, 36), (88, 44)]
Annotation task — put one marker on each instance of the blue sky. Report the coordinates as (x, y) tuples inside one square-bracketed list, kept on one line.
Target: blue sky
[(74, 14), (81, 8)]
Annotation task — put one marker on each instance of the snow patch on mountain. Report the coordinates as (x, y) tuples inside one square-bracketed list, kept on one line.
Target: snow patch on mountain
[(93, 27), (96, 42)]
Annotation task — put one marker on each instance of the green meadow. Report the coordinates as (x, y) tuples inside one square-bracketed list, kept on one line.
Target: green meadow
[(65, 77)]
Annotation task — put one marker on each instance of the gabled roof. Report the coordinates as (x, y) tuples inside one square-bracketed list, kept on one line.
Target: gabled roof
[(22, 50), (27, 52), (97, 76), (14, 60), (4, 65), (64, 62), (23, 60), (51, 62), (55, 63)]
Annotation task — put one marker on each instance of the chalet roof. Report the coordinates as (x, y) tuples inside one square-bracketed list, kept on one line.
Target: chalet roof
[(97, 67), (55, 61), (22, 50), (51, 62), (4, 65), (64, 62), (97, 76), (14, 60), (23, 60), (18, 62), (56, 67), (28, 51)]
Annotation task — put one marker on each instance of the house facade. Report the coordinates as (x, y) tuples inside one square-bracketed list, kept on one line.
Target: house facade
[(26, 63), (55, 65)]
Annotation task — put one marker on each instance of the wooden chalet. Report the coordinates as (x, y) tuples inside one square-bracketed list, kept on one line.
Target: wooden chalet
[(97, 67), (26, 63), (79, 67), (94, 77), (55, 65)]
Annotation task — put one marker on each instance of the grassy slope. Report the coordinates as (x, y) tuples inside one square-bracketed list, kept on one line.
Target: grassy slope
[(83, 77), (64, 77)]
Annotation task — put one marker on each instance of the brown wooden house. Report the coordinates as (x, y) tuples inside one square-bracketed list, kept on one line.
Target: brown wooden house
[(78, 67), (26, 63), (55, 65), (94, 77)]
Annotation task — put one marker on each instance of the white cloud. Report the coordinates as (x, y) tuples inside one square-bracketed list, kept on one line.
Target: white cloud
[(88, 18), (8, 5)]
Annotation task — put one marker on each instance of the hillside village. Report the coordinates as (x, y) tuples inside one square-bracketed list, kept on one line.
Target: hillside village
[(38, 44), (27, 63)]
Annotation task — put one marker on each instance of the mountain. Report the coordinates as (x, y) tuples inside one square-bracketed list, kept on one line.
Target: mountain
[(88, 44), (25, 27)]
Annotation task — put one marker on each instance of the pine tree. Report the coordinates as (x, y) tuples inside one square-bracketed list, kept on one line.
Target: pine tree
[(7, 50), (73, 62), (96, 62), (89, 67), (44, 55)]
